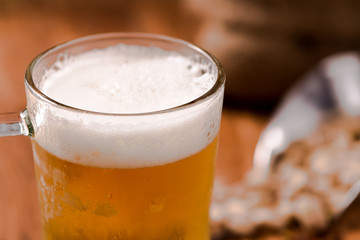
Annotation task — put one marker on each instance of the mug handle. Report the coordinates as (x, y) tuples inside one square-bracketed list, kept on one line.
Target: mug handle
[(13, 124)]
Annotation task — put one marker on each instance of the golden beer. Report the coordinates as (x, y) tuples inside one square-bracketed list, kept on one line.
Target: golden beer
[(125, 132), (170, 201)]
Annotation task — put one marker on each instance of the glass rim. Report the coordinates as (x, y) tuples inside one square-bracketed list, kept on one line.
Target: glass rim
[(220, 78)]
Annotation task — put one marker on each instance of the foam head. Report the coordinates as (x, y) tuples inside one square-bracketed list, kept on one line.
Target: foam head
[(129, 80)]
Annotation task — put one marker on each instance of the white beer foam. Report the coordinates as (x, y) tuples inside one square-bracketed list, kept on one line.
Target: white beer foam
[(127, 79)]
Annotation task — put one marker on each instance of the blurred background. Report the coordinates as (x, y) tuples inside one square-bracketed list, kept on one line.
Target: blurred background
[(265, 46)]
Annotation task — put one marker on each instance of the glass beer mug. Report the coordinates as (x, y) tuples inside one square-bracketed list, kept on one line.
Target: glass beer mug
[(108, 174)]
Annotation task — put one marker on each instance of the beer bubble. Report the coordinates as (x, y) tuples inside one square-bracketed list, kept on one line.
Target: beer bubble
[(157, 205)]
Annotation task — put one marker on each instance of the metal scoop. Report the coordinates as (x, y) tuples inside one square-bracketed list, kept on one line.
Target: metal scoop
[(332, 88)]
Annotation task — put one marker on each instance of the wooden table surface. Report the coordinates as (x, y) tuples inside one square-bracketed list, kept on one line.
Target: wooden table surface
[(25, 33)]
